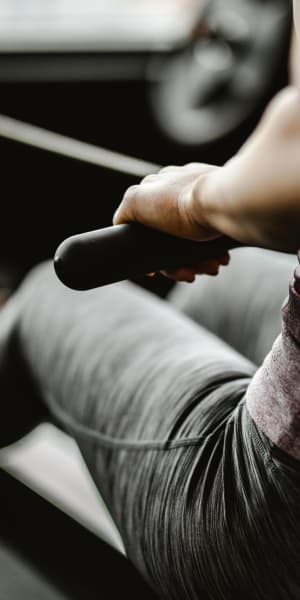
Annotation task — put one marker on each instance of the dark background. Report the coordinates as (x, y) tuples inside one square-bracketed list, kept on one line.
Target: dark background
[(45, 198)]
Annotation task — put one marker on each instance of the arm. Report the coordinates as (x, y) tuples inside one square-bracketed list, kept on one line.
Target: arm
[(259, 190), (254, 197)]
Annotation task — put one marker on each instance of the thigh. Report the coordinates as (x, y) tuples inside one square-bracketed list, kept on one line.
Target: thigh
[(242, 305), (117, 356), (156, 404), (133, 381)]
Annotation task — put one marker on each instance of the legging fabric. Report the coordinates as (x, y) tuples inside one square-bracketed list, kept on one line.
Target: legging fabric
[(207, 506)]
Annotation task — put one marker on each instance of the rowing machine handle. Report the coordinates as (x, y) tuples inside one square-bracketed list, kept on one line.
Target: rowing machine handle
[(108, 255)]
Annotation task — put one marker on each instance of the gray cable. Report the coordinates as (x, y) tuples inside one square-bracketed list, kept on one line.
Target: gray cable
[(63, 145)]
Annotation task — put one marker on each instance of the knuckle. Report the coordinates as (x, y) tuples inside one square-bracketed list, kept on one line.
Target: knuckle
[(149, 178), (131, 193), (168, 169), (192, 165)]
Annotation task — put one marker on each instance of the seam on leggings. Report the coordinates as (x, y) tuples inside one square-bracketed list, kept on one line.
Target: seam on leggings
[(92, 435)]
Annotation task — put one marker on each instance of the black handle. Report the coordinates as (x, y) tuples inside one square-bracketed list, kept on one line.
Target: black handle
[(105, 256)]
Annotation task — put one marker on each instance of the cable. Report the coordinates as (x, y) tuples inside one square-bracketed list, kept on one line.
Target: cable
[(25, 133)]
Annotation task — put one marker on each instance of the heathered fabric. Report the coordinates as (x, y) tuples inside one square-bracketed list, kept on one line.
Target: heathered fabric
[(207, 505), (273, 398), (242, 305)]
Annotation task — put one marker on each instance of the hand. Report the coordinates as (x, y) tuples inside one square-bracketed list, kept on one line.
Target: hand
[(165, 201)]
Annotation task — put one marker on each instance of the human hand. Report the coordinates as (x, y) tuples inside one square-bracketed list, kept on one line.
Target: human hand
[(165, 201)]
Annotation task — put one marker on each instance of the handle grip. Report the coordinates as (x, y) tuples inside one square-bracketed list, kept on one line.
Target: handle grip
[(108, 255)]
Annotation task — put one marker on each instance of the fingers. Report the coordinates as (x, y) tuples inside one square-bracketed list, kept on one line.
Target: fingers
[(183, 274), (129, 209), (133, 206), (149, 179), (145, 202), (126, 210), (206, 267)]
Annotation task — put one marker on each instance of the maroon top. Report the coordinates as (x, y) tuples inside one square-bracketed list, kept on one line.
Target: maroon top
[(273, 397)]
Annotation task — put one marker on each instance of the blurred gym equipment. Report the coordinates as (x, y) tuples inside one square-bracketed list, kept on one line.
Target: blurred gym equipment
[(122, 88), (226, 72)]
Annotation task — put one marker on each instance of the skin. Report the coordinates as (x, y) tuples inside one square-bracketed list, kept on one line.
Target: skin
[(254, 197)]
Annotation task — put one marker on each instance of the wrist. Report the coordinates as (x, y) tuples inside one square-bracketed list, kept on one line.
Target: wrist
[(210, 205)]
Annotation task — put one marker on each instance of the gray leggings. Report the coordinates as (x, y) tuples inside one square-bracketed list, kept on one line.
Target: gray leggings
[(207, 507)]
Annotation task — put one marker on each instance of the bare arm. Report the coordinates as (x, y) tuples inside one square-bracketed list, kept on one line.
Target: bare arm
[(255, 197), (259, 190)]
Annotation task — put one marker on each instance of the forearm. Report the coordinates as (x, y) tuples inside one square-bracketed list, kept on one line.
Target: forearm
[(255, 197)]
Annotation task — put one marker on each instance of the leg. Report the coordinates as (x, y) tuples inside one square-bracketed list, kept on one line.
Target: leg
[(242, 305), (157, 407), (56, 338)]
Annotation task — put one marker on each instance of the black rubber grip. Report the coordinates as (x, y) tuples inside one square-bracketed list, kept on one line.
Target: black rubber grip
[(105, 256)]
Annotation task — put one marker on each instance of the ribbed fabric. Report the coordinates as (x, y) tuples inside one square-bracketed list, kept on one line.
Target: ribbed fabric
[(207, 505), (242, 305), (273, 398)]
